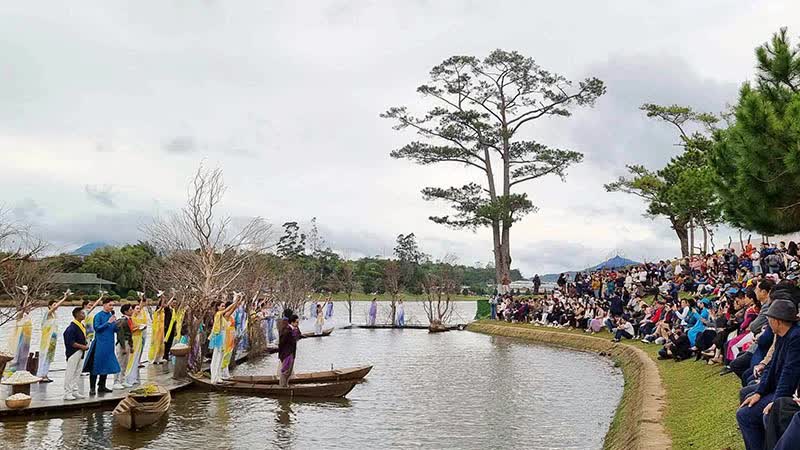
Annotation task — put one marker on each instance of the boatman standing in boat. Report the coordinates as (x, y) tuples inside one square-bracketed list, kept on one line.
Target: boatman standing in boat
[(287, 348), (101, 360), (285, 320)]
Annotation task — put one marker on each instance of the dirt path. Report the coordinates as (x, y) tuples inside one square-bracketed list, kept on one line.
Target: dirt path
[(638, 423)]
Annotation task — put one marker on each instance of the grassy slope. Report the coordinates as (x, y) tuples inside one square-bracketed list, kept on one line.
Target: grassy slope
[(701, 405)]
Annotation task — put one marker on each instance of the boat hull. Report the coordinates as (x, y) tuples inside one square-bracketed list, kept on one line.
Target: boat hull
[(134, 412), (327, 376), (325, 333), (315, 390)]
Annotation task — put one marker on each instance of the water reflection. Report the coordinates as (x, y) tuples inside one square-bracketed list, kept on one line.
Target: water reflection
[(454, 390)]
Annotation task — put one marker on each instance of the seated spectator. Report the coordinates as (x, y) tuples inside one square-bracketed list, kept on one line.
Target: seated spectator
[(677, 347), (780, 380), (624, 329)]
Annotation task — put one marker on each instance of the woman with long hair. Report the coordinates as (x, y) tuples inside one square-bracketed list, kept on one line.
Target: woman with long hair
[(220, 337), (47, 345), (156, 354), (139, 319)]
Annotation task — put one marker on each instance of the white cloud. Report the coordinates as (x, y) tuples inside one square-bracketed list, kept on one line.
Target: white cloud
[(285, 100)]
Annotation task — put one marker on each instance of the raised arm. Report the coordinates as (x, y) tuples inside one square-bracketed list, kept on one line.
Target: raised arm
[(55, 306), (97, 302), (237, 298)]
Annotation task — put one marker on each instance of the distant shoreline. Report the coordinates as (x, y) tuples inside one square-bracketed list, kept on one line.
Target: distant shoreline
[(337, 298)]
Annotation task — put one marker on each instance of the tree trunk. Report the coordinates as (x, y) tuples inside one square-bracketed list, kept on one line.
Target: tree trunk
[(691, 238), (711, 238), (683, 235), (498, 253), (705, 240), (506, 251)]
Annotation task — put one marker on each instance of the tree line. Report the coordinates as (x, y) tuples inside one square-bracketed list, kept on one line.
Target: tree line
[(328, 270)]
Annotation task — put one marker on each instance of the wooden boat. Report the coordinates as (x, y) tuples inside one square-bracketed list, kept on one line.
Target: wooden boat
[(316, 390), (327, 376), (324, 333), (139, 411)]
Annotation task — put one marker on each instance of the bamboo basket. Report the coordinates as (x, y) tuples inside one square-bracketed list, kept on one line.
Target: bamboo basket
[(180, 351), (18, 404)]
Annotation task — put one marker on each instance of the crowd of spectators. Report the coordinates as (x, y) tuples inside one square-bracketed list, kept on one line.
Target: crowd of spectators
[(735, 309)]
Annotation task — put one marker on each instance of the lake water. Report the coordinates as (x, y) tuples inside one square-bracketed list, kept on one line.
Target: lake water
[(446, 390)]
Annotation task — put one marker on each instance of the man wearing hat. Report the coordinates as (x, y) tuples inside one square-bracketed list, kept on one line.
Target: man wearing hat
[(780, 380)]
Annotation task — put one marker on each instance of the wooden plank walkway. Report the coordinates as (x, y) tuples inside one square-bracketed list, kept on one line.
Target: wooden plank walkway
[(48, 398)]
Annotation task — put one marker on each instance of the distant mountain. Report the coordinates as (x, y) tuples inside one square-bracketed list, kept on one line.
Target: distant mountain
[(613, 263), (87, 249)]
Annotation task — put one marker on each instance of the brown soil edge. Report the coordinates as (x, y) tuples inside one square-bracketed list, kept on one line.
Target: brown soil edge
[(638, 421)]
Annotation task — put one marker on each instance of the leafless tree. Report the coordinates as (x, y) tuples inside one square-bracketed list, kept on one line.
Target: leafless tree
[(292, 285), (16, 240), (391, 284), (23, 276), (346, 282), (440, 285), (205, 251)]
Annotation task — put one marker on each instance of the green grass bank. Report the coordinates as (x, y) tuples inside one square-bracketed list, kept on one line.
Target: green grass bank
[(692, 405)]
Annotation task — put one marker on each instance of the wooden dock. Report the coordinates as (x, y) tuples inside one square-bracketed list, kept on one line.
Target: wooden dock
[(47, 399)]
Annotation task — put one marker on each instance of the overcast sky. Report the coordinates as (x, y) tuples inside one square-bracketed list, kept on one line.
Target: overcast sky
[(108, 107)]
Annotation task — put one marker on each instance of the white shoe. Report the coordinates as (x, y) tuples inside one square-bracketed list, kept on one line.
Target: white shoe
[(78, 395), (660, 341), (117, 387), (69, 397), (126, 385)]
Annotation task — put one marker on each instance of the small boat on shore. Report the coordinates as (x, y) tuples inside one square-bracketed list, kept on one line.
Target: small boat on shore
[(311, 334), (326, 376), (315, 390), (140, 410)]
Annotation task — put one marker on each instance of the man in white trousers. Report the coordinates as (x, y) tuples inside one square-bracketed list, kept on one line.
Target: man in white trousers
[(76, 344), (124, 347)]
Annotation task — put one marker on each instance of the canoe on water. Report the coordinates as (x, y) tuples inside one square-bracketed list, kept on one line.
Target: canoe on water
[(324, 333), (327, 376), (316, 390), (139, 411)]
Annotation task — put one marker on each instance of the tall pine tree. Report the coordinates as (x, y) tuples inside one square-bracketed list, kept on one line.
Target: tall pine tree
[(757, 158)]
